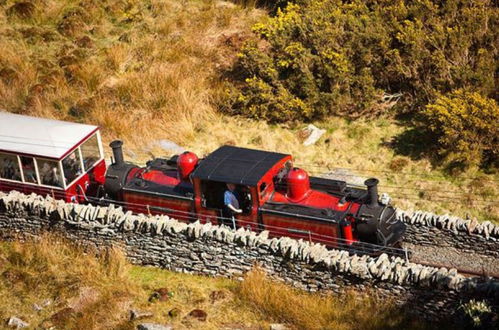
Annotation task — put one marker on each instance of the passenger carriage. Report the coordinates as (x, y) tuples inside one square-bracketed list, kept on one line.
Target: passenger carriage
[(50, 157)]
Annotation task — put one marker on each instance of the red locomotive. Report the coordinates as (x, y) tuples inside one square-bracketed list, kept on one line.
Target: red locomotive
[(272, 194)]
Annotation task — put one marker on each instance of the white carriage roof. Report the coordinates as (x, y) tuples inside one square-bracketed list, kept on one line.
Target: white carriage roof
[(40, 137)]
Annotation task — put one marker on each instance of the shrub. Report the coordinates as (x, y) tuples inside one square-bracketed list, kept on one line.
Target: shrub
[(476, 312), (347, 58), (466, 126)]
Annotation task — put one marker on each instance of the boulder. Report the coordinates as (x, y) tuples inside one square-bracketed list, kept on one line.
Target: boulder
[(136, 315), (16, 323), (174, 312), (198, 314), (153, 326), (312, 133), (278, 326)]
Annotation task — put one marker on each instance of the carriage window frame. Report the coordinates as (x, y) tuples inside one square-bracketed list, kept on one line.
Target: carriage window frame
[(77, 153), (59, 162), (59, 168), (95, 136), (35, 167), (80, 155), (35, 161), (18, 164)]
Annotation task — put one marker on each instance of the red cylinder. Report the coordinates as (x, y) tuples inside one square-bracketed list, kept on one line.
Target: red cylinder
[(186, 163), (298, 184), (346, 228)]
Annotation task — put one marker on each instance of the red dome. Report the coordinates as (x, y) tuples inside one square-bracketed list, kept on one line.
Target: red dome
[(186, 163), (298, 184)]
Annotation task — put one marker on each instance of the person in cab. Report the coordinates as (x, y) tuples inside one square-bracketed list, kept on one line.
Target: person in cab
[(231, 204)]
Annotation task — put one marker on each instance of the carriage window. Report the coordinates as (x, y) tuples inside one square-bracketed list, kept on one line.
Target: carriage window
[(29, 170), (49, 172), (90, 152), (9, 167), (72, 166)]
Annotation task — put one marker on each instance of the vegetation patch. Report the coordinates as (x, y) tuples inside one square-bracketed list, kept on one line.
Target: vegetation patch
[(137, 68), (466, 126), (315, 59)]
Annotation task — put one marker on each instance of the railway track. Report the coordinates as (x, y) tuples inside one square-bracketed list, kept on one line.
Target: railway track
[(468, 264), (463, 271)]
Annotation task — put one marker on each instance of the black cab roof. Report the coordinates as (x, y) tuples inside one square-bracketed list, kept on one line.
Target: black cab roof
[(237, 165)]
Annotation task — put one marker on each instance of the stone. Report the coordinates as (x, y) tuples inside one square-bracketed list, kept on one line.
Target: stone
[(198, 314), (154, 326), (312, 133), (174, 312), (16, 323), (161, 294), (136, 315)]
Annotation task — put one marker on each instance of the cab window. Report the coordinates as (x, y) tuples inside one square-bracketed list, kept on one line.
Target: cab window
[(264, 190), (9, 167), (49, 172), (72, 166), (213, 194), (90, 152), (29, 170)]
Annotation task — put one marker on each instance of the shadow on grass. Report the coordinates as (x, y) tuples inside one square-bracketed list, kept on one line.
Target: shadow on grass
[(415, 142)]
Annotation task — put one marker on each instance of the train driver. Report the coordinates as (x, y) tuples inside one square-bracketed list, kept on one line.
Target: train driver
[(231, 204)]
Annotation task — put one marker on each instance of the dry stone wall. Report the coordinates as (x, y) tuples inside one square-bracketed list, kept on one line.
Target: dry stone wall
[(425, 228), (219, 251)]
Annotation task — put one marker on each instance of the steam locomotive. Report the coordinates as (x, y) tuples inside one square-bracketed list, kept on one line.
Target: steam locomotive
[(273, 194)]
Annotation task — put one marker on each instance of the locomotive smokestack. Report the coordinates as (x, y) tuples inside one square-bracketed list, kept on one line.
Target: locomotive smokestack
[(372, 189), (116, 145)]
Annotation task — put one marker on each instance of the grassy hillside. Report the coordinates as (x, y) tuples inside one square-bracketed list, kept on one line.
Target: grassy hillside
[(151, 70), (137, 68), (77, 289)]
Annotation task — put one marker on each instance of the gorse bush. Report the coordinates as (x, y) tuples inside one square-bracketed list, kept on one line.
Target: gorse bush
[(466, 126), (333, 57)]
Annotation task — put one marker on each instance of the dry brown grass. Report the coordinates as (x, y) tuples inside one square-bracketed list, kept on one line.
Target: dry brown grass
[(312, 311), (95, 287), (96, 291), (138, 69)]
